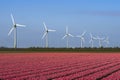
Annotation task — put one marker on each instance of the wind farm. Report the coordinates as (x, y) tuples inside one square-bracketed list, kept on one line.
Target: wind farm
[(101, 41), (67, 35)]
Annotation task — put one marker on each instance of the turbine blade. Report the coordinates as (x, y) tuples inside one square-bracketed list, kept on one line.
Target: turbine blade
[(83, 33), (51, 30), (45, 26), (44, 35), (13, 19), (94, 38), (64, 37), (71, 35), (20, 25), (10, 31)]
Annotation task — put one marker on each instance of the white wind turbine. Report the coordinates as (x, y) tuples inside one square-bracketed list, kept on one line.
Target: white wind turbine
[(92, 40), (46, 33), (67, 36), (107, 41), (82, 39), (15, 30), (100, 41)]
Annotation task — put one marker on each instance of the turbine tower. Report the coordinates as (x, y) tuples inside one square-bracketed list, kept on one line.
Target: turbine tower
[(92, 40), (15, 30), (82, 39), (100, 41), (107, 41), (67, 36), (46, 33)]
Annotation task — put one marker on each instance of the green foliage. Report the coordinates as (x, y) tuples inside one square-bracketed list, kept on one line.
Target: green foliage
[(37, 49)]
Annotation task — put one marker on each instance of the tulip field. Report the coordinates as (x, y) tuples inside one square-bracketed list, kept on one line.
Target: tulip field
[(59, 66)]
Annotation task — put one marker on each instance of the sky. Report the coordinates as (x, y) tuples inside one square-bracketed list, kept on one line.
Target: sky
[(99, 17)]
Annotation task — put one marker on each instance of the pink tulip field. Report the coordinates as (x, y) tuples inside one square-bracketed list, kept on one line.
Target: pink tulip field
[(59, 66)]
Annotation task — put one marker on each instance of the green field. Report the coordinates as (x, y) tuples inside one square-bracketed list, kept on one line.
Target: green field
[(60, 50)]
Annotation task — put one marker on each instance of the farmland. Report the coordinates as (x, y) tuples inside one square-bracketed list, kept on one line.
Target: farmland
[(59, 66)]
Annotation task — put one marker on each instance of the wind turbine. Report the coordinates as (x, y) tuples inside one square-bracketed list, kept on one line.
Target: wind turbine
[(82, 38), (15, 30), (67, 35), (100, 41), (46, 33), (92, 40), (107, 41)]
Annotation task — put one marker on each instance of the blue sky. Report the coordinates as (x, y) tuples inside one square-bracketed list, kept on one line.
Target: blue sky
[(99, 17)]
